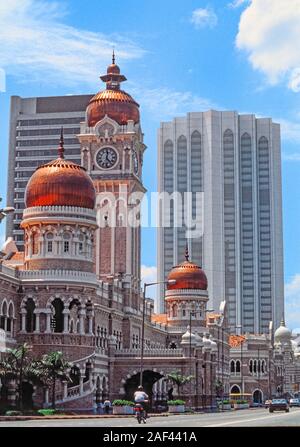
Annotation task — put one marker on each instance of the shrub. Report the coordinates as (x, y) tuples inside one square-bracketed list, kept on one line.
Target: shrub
[(176, 402), (46, 412), (225, 402), (122, 403), (241, 401), (13, 413)]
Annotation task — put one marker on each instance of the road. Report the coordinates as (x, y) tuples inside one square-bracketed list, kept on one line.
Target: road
[(259, 417)]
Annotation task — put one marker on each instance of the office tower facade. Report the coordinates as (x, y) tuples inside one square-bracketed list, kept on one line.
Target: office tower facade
[(235, 161), (35, 125)]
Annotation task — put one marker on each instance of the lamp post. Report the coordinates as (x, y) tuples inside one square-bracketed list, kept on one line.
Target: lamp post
[(193, 313), (5, 211), (170, 282)]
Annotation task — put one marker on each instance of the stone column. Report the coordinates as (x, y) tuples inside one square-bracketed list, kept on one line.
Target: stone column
[(65, 391), (11, 393), (90, 317), (81, 321), (37, 321), (81, 382), (23, 319), (66, 313), (48, 321)]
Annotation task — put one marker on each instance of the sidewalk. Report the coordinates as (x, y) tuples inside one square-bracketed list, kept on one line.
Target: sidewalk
[(74, 416)]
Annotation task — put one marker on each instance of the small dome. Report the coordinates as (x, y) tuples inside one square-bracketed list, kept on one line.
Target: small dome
[(113, 102), (187, 275), (188, 338), (60, 182), (282, 334)]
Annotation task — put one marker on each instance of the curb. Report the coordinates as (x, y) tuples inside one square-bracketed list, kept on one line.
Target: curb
[(58, 417)]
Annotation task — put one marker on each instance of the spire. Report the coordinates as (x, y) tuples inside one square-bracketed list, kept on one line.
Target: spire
[(187, 256), (113, 56), (61, 148)]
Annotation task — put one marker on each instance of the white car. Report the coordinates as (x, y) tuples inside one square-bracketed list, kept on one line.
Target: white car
[(295, 402)]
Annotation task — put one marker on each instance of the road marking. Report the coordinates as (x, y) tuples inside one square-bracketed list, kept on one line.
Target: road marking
[(248, 420)]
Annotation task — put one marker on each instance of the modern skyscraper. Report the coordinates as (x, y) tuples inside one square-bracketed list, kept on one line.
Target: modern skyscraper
[(235, 161), (35, 124)]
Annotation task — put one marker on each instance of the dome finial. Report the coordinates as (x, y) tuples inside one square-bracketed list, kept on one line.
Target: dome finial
[(113, 56), (187, 256), (61, 148)]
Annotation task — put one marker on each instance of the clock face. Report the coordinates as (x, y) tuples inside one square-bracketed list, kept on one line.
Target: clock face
[(135, 162), (106, 157)]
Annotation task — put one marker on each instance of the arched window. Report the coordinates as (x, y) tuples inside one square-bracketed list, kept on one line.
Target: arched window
[(258, 366), (263, 366), (232, 366), (74, 376), (30, 315), (49, 239), (174, 310), (167, 215), (196, 188), (255, 366), (238, 366), (58, 318), (251, 366), (182, 188)]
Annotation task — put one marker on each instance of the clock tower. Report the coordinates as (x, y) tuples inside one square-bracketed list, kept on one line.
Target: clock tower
[(112, 152)]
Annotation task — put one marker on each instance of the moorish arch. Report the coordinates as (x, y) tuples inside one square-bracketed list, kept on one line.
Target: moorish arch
[(150, 377)]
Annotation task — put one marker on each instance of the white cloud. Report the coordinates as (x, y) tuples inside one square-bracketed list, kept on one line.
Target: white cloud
[(203, 17), (165, 103), (269, 32), (292, 300), (237, 3), (290, 130), (149, 274), (36, 44), (291, 157)]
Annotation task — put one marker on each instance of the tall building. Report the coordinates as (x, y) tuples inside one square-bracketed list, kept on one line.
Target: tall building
[(35, 125), (235, 161)]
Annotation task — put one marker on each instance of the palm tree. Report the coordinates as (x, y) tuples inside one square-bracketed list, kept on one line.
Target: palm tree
[(19, 366), (54, 368), (179, 380)]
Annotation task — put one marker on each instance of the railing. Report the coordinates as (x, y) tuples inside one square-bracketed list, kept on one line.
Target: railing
[(58, 275), (8, 270), (58, 209), (155, 352), (58, 339)]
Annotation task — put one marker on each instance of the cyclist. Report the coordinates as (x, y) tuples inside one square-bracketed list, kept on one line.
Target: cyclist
[(140, 397)]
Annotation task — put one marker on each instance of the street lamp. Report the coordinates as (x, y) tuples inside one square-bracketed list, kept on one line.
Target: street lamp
[(5, 211), (170, 282), (194, 313)]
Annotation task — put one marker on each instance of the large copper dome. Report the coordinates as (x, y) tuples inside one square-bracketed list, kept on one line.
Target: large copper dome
[(113, 102), (60, 182), (187, 276)]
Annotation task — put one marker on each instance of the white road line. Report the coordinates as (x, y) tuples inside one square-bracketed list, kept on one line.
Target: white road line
[(248, 420)]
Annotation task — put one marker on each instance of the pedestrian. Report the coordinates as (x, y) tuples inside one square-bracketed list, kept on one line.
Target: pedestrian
[(107, 405)]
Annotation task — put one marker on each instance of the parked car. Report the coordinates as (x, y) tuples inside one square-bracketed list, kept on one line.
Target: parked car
[(267, 403), (295, 402), (279, 405)]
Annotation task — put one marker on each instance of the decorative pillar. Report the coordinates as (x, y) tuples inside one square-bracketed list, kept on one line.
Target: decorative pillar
[(23, 319), (48, 321), (81, 382), (66, 313), (37, 321), (81, 321), (65, 387), (90, 318)]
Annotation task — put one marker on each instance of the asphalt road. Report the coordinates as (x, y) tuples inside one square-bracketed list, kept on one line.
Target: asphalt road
[(243, 418)]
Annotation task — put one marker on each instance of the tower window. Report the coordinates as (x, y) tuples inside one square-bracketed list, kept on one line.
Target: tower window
[(49, 246), (80, 246), (66, 246)]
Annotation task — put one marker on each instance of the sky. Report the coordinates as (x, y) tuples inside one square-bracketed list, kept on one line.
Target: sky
[(178, 57)]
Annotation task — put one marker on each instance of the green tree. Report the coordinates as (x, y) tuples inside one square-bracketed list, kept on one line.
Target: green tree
[(18, 365), (54, 368), (179, 380)]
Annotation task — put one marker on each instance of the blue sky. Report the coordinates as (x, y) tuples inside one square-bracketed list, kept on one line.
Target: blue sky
[(178, 56)]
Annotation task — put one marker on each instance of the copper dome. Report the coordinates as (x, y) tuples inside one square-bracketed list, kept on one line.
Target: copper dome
[(60, 182), (113, 102), (187, 276)]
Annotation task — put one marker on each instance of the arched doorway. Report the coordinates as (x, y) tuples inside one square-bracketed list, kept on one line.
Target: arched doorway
[(235, 389), (27, 392), (257, 397), (149, 379)]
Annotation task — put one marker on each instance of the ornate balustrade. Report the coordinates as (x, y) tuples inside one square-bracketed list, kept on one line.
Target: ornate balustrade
[(155, 352)]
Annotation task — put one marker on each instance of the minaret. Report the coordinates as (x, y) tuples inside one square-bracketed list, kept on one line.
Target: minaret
[(112, 152)]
